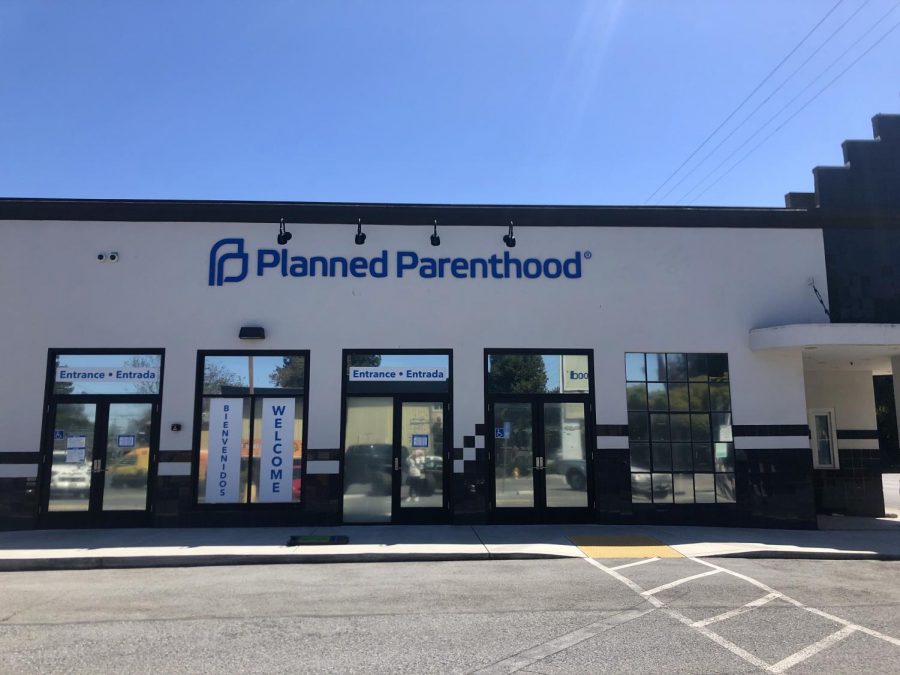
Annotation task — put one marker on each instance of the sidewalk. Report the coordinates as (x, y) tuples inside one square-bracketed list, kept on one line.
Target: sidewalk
[(91, 549)]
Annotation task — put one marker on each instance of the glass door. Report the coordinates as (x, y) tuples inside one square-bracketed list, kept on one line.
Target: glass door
[(517, 462), (541, 460), (394, 460), (369, 461), (72, 462), (100, 463), (420, 484)]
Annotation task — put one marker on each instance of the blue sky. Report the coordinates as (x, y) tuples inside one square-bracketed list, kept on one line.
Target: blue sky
[(481, 101)]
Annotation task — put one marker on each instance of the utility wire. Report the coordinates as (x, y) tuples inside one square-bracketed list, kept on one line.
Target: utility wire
[(764, 101), (742, 103), (801, 109), (786, 105)]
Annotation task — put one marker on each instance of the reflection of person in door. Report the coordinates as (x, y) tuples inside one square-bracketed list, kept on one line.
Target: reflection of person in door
[(415, 469)]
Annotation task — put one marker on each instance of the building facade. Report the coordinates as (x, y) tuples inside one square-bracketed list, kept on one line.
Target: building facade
[(188, 363)]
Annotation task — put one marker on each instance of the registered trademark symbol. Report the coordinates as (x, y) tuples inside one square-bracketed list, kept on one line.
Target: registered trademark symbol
[(588, 255)]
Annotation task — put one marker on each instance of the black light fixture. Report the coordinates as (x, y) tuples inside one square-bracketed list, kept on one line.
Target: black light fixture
[(435, 239), (283, 235), (252, 332), (360, 237), (510, 239)]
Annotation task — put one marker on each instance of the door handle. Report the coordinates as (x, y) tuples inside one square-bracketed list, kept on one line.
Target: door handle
[(396, 464)]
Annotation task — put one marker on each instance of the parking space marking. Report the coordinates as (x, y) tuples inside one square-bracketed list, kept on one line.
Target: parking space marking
[(632, 564), (753, 604), (813, 649), (797, 603), (673, 584), (771, 594), (678, 616), (525, 658)]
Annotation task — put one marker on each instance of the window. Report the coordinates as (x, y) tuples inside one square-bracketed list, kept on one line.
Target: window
[(251, 427), (823, 439), (111, 373), (679, 428), (536, 373)]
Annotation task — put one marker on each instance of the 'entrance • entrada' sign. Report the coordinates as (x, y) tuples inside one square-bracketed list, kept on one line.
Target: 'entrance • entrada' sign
[(386, 374), (117, 374), (229, 262)]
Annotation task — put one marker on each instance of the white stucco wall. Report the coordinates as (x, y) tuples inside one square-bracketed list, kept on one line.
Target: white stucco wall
[(850, 393), (644, 289)]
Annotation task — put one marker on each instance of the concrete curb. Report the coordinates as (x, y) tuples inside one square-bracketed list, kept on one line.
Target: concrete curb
[(806, 555), (137, 562)]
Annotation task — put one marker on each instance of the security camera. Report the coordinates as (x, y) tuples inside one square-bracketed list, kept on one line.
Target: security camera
[(114, 256), (101, 257)]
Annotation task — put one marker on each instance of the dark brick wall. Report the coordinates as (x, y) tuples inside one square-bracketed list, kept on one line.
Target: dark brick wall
[(775, 487), (863, 268), (18, 503), (855, 489), (871, 173)]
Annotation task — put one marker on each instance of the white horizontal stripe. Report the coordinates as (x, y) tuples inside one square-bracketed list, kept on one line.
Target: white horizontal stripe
[(858, 443), (639, 562), (174, 469), (665, 587), (753, 604), (770, 442), (813, 649), (322, 466), (18, 470), (612, 442)]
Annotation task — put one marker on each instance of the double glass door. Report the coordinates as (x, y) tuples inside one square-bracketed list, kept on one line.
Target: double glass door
[(98, 453), (541, 459), (394, 457)]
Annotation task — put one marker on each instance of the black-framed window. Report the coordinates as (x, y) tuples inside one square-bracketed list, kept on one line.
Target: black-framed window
[(397, 371), (251, 433), (106, 373), (679, 428), (538, 372)]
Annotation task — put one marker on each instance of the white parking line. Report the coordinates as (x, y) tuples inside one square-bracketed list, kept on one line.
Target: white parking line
[(815, 648), (701, 626), (525, 658), (639, 562), (665, 587), (678, 616), (753, 604), (797, 603)]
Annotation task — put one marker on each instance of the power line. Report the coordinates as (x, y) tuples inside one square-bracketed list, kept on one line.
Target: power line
[(764, 101), (801, 109), (742, 103), (787, 105)]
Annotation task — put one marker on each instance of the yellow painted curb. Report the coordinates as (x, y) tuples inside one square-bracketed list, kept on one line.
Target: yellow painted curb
[(627, 546)]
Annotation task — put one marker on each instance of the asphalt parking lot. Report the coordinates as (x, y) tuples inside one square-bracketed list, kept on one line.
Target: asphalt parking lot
[(545, 616)]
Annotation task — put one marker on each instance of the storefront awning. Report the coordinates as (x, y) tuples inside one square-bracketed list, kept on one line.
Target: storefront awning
[(862, 346)]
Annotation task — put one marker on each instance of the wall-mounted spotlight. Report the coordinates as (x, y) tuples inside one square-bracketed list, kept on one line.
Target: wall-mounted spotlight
[(360, 237), (283, 235), (509, 238), (435, 239)]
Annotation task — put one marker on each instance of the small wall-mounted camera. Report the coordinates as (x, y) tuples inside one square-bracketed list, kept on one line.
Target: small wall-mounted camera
[(112, 256), (101, 257), (175, 427)]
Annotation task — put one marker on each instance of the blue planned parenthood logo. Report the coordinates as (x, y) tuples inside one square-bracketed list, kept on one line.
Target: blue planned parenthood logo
[(229, 262)]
